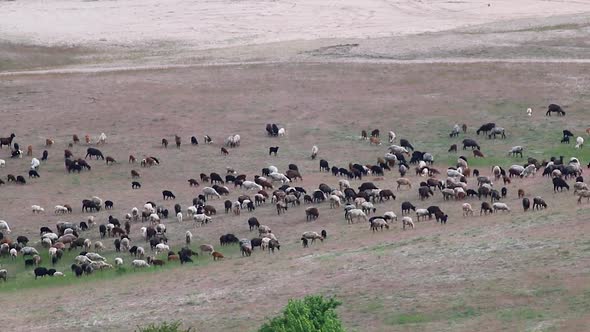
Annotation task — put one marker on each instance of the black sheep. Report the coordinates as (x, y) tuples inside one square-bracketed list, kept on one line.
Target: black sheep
[(194, 140), (273, 149), (33, 174), (324, 234), (117, 245), (45, 155), (559, 183), (526, 204), (406, 207), (135, 185), (108, 205), (167, 194), (103, 231), (40, 272)]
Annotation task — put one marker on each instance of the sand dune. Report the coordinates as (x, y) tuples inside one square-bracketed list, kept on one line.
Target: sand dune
[(208, 24)]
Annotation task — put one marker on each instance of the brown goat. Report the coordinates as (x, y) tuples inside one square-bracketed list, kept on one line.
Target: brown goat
[(177, 140), (157, 262), (49, 142), (131, 159), (68, 153), (134, 174), (29, 150), (76, 139), (477, 153), (224, 151), (217, 255), (164, 142), (110, 160), (453, 148), (193, 182), (87, 139), (520, 193), (374, 140)]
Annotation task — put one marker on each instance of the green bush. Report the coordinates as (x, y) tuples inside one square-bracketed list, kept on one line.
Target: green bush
[(312, 314), (163, 327)]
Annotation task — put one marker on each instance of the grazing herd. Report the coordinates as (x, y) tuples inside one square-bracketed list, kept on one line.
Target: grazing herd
[(277, 189)]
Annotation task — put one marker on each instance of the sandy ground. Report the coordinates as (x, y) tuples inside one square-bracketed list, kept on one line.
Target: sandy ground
[(222, 23)]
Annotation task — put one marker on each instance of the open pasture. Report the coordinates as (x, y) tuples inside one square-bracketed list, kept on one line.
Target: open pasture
[(506, 271)]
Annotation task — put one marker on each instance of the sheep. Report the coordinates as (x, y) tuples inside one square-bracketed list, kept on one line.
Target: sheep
[(95, 257), (403, 182), (500, 206), (516, 150), (161, 247), (407, 221), (59, 209), (529, 112), (13, 253), (314, 152), (422, 213), (367, 207), (188, 236), (355, 213), (583, 194), (378, 223), (138, 263), (389, 216), (467, 210), (334, 201), (201, 218), (206, 248), (391, 137), (249, 185), (208, 191), (37, 209), (312, 236), (311, 213), (529, 170), (579, 142)]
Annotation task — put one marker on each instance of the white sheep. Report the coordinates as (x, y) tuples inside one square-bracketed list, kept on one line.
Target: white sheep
[(314, 152), (59, 209), (46, 243), (368, 207), (154, 218), (29, 251), (580, 186), (50, 236), (500, 206), (529, 170), (161, 247), (355, 213), (279, 177), (91, 222), (422, 213), (2, 163), (269, 236), (13, 253), (52, 252), (529, 111), (282, 132), (140, 252), (95, 257), (389, 215), (334, 201), (87, 244), (191, 211), (264, 243), (397, 149), (179, 216), (37, 209), (35, 163), (118, 261), (358, 202), (125, 244), (391, 137), (102, 139), (579, 142), (58, 274), (312, 236), (467, 210), (148, 207), (139, 263), (188, 237), (250, 185), (208, 191), (82, 259), (407, 221), (98, 246)]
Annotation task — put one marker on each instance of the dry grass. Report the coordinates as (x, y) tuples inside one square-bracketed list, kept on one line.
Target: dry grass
[(505, 272)]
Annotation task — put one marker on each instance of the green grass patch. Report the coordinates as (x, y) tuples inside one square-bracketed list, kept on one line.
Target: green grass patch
[(519, 314)]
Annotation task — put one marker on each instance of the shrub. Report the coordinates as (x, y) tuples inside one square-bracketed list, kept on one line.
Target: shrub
[(163, 327), (312, 314)]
